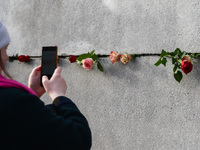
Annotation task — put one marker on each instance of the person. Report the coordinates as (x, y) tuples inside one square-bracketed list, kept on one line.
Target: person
[(27, 123)]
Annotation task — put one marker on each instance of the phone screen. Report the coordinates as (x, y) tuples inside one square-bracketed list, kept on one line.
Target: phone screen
[(49, 61)]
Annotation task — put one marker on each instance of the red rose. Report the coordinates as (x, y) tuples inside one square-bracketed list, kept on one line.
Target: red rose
[(72, 58), (186, 66), (24, 58)]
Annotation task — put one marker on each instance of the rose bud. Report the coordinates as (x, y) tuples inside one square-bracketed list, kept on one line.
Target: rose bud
[(88, 63), (114, 57), (125, 58), (186, 57), (72, 58), (24, 58), (186, 66)]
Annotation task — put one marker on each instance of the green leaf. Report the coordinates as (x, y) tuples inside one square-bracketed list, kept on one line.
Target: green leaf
[(175, 69), (177, 51), (158, 62), (94, 57), (183, 54), (174, 60), (100, 67), (132, 56), (196, 55), (178, 76), (83, 56), (173, 54), (163, 53), (164, 61), (92, 53), (11, 59), (192, 55)]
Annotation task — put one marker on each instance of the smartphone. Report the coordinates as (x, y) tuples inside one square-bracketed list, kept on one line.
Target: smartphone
[(49, 61)]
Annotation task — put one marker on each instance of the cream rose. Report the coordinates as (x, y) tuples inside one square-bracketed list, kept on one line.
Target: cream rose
[(125, 58), (114, 57)]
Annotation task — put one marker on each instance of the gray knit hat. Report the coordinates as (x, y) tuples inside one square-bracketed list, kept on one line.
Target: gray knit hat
[(4, 36)]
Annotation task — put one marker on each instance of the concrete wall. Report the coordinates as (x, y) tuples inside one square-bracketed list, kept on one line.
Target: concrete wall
[(129, 107)]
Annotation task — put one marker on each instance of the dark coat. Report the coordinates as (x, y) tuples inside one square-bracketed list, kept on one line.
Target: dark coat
[(27, 124)]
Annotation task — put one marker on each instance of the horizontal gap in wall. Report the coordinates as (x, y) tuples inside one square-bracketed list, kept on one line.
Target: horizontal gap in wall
[(100, 56)]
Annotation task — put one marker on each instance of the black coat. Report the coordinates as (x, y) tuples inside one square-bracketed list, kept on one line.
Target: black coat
[(27, 124)]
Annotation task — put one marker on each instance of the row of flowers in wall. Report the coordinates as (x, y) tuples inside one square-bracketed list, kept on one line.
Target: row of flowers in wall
[(181, 60)]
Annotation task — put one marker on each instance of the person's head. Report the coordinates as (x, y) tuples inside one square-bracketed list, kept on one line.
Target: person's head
[(4, 42)]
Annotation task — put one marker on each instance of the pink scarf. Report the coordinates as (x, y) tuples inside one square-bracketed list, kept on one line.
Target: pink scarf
[(7, 83)]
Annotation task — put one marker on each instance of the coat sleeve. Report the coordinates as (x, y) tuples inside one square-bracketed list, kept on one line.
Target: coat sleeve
[(33, 124)]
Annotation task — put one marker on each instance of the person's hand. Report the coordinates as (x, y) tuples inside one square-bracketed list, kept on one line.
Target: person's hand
[(34, 81), (56, 86)]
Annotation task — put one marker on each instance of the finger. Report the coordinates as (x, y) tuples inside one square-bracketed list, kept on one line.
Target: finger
[(57, 71)]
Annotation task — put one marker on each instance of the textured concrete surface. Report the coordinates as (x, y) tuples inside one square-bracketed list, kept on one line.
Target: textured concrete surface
[(132, 107), (129, 107), (76, 26)]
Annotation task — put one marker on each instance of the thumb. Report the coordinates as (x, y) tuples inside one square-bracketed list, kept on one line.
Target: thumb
[(45, 80), (36, 70)]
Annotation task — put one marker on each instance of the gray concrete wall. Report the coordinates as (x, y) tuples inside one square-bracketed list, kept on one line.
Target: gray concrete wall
[(129, 107)]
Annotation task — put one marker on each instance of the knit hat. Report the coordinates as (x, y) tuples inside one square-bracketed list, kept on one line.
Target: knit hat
[(4, 36)]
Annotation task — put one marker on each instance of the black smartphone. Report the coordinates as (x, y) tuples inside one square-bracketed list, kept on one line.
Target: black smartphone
[(49, 61)]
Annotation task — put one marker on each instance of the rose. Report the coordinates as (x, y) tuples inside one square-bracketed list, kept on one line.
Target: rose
[(24, 58), (186, 57), (87, 63), (114, 57), (186, 66), (125, 58), (88, 60), (180, 60), (72, 58)]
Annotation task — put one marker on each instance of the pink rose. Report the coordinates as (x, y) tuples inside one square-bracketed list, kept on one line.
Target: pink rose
[(125, 58), (88, 63), (114, 57)]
